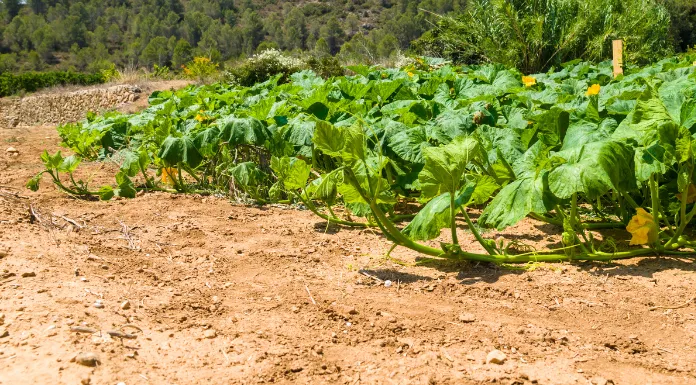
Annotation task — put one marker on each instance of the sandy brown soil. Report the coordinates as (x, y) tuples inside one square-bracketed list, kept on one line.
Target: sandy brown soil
[(228, 294)]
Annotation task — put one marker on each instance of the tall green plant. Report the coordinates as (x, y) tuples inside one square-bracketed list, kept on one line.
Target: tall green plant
[(534, 35)]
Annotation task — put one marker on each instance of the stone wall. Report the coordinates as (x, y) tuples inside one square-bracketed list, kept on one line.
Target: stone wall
[(57, 108)]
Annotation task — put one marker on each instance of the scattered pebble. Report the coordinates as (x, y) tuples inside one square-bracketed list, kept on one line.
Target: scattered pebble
[(121, 383), (210, 333), (2, 318), (3, 332), (216, 299), (387, 283), (467, 318), (125, 305), (295, 309), (28, 274), (85, 380), (597, 380), (87, 359), (12, 150), (98, 304), (496, 357)]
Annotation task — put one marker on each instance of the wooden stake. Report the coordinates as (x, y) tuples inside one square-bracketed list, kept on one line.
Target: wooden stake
[(617, 48)]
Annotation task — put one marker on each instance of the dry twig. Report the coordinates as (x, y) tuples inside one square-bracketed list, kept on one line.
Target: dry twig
[(685, 304), (310, 295)]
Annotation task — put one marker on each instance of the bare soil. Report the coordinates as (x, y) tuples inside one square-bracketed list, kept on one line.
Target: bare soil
[(233, 294)]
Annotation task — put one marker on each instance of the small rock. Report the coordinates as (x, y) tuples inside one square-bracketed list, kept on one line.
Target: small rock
[(98, 304), (28, 274), (210, 333), (121, 383), (125, 305), (4, 333), (467, 318), (295, 309), (216, 299), (496, 357), (597, 380), (2, 318), (85, 380), (387, 283), (87, 359), (11, 150)]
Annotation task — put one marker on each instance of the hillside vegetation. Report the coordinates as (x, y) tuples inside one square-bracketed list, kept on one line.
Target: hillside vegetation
[(90, 35)]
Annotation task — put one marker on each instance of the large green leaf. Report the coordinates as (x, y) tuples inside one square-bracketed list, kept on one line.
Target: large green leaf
[(409, 144), (133, 162), (445, 166), (432, 218), (517, 200), (293, 172), (593, 169), (347, 143), (247, 174), (236, 131), (180, 150)]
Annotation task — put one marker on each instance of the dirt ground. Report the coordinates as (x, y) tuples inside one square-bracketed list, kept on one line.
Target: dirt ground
[(222, 293)]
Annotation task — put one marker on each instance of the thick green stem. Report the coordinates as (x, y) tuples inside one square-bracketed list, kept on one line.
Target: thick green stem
[(453, 220), (630, 200), (308, 202), (654, 198), (476, 233), (70, 191), (191, 172), (147, 180)]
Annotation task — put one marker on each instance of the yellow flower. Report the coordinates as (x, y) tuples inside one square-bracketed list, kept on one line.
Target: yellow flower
[(410, 74), (200, 118), (168, 175), (690, 194), (528, 81), (643, 228), (593, 90)]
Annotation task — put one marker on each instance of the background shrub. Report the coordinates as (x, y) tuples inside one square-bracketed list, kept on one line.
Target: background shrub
[(32, 81), (534, 35), (263, 66)]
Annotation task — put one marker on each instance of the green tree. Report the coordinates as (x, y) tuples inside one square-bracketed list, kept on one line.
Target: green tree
[(321, 48), (295, 28), (182, 53), (11, 8), (252, 31), (387, 46), (333, 34), (37, 6), (155, 52)]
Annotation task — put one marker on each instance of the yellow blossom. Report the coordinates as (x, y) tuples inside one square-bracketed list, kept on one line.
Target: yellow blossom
[(410, 74), (168, 175), (593, 90), (528, 81), (690, 195), (643, 228)]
